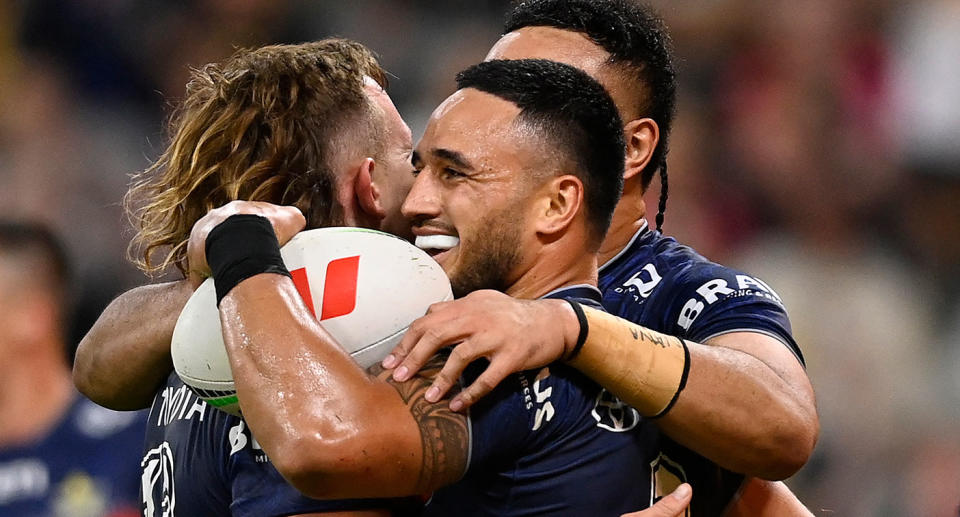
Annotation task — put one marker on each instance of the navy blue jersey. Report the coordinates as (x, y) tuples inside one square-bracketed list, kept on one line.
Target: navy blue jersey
[(86, 466), (548, 442), (665, 286), (202, 461)]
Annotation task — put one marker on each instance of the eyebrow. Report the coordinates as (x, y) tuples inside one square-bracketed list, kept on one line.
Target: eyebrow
[(453, 157)]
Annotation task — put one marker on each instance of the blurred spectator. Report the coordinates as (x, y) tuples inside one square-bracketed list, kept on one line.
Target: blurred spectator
[(60, 454)]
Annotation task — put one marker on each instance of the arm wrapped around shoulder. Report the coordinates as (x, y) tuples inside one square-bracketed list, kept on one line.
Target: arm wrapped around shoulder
[(650, 369)]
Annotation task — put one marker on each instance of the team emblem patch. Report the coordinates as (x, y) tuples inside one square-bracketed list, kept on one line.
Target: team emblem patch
[(613, 415), (156, 482)]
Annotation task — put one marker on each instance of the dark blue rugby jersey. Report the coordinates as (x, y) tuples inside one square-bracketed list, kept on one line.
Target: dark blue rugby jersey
[(549, 442), (200, 461), (668, 287), (86, 466)]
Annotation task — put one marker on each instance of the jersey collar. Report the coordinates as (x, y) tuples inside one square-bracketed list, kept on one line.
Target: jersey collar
[(582, 291), (644, 229)]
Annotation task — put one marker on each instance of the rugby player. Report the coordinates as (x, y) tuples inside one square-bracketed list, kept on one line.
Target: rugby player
[(747, 403), (308, 125), (152, 338), (524, 165), (361, 182)]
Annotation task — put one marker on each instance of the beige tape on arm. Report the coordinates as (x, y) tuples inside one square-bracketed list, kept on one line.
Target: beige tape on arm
[(646, 369)]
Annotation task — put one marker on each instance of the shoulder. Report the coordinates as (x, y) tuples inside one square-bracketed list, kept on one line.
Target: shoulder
[(669, 287)]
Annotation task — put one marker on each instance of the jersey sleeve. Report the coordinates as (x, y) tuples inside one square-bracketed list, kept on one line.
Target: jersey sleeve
[(716, 300)]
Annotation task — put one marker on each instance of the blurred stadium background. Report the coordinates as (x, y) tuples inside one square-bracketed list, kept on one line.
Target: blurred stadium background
[(817, 145)]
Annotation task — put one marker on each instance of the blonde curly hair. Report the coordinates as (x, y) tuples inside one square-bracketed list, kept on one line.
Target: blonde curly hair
[(264, 125)]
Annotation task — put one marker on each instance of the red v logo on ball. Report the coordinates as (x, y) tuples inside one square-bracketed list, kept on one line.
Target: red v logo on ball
[(339, 289)]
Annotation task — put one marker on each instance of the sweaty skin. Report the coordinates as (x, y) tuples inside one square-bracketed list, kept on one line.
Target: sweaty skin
[(107, 370), (748, 404)]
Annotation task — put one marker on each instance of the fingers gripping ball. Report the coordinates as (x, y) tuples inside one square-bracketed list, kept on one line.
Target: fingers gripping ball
[(364, 286)]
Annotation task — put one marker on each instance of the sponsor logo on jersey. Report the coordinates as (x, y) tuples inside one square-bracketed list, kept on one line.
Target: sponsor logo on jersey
[(156, 482), (644, 281), (545, 409), (179, 404), (612, 414), (718, 289), (238, 440), (538, 398)]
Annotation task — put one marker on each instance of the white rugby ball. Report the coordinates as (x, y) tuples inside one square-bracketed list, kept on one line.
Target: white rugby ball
[(364, 286)]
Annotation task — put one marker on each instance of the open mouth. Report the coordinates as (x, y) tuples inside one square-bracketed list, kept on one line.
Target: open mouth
[(436, 245)]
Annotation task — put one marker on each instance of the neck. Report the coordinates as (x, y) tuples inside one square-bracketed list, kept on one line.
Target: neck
[(628, 218), (33, 397), (553, 267)]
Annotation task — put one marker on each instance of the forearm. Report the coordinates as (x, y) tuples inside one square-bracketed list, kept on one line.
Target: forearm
[(125, 356), (766, 498), (733, 408), (325, 423), (738, 412)]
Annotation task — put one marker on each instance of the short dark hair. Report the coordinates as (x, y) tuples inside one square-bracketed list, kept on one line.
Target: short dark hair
[(635, 37), (570, 108), (36, 243)]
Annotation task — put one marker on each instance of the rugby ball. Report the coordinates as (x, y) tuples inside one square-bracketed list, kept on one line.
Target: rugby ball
[(364, 286)]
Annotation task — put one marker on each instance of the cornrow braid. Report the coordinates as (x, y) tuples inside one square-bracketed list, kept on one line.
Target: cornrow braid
[(662, 206)]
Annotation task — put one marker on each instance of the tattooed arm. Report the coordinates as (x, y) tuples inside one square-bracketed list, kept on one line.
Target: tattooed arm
[(333, 430), (443, 434)]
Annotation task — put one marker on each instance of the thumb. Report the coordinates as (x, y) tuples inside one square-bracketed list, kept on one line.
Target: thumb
[(673, 505)]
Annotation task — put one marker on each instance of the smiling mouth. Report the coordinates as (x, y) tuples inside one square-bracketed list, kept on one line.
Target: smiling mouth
[(436, 244)]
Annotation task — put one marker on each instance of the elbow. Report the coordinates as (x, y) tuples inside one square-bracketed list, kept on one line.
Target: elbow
[(326, 468), (84, 378), (791, 446)]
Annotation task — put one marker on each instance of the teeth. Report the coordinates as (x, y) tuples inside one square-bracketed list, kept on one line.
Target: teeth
[(436, 242)]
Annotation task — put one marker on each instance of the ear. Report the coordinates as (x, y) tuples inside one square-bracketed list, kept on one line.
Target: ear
[(368, 195), (561, 201), (641, 136)]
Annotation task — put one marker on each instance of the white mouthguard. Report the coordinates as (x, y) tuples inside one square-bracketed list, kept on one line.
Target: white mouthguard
[(436, 242)]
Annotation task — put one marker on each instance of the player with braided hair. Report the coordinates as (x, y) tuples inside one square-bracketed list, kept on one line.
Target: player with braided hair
[(741, 403), (760, 419)]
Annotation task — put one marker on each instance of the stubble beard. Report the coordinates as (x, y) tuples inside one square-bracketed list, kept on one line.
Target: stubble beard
[(491, 257)]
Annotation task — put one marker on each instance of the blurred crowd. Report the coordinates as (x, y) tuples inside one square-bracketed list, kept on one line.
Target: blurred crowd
[(817, 145)]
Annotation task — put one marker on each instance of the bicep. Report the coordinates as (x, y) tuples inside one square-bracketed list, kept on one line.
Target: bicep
[(772, 352)]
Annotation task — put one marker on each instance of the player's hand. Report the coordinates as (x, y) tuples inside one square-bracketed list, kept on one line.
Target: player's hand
[(515, 335), (673, 505), (287, 221)]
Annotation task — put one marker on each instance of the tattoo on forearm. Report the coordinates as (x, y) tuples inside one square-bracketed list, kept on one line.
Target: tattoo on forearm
[(664, 341), (443, 433)]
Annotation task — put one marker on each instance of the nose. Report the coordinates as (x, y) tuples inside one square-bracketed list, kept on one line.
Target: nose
[(423, 200)]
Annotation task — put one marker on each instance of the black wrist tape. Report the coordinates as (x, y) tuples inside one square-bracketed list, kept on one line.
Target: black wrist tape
[(584, 329), (240, 247), (683, 380)]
